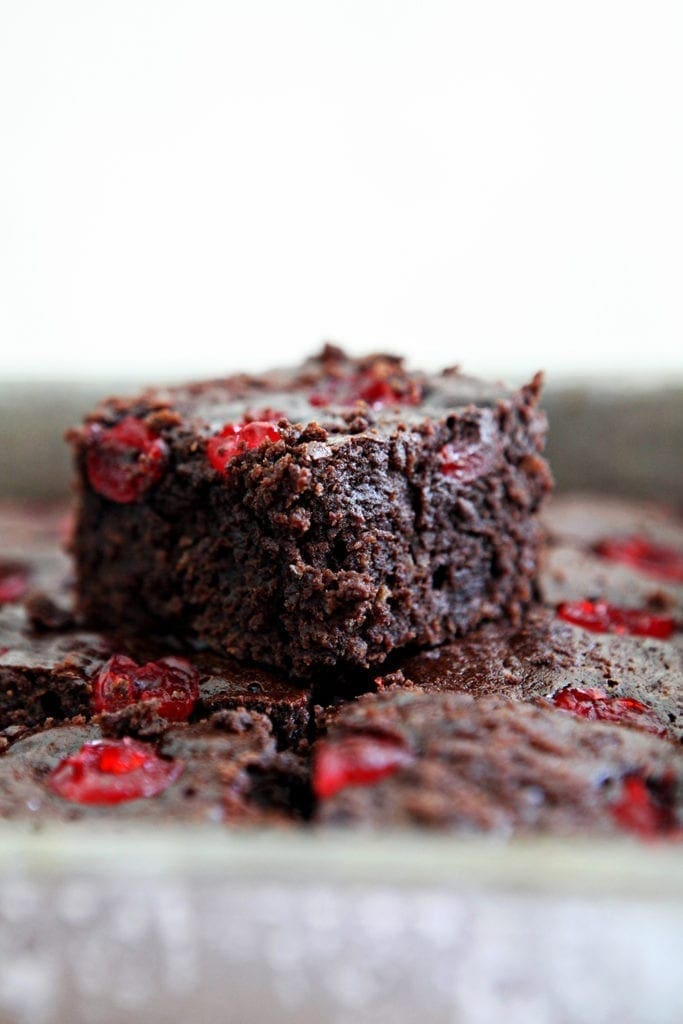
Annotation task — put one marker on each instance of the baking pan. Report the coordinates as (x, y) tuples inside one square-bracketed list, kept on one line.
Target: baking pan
[(105, 926)]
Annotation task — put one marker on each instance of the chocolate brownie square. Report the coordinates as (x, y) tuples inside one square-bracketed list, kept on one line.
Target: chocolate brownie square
[(320, 516)]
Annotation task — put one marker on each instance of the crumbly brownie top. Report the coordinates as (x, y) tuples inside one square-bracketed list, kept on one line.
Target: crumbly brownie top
[(374, 394)]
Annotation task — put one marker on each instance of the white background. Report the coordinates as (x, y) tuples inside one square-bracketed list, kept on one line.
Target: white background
[(189, 187)]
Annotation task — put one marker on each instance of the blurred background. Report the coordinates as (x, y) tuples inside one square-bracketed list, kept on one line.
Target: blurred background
[(193, 186)]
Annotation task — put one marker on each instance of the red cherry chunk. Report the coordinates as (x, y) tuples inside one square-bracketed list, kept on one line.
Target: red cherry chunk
[(356, 761), (638, 811), (124, 461), (598, 706), (601, 617), (656, 560), (463, 462), (173, 682), (379, 392), (236, 438), (13, 582), (111, 772)]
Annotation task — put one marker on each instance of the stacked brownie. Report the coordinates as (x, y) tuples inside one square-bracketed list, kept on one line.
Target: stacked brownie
[(321, 595)]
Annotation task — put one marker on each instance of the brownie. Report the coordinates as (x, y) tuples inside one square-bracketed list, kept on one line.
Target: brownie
[(574, 566), (450, 761), (48, 674), (307, 518), (225, 770), (546, 656)]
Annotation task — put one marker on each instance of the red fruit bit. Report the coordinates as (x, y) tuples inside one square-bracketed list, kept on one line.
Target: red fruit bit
[(601, 617), (463, 462), (111, 772), (378, 392), (598, 706), (656, 560), (124, 461), (356, 761), (236, 438), (376, 389), (638, 811), (13, 583), (173, 682)]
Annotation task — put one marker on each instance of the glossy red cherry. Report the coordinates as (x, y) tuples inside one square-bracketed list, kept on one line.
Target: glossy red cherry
[(638, 811), (111, 772), (601, 617), (236, 438), (13, 582), (598, 706), (464, 462), (658, 560), (356, 761), (124, 461), (173, 682)]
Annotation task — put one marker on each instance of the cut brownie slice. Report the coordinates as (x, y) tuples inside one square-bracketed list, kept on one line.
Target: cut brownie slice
[(448, 761), (324, 515), (224, 770), (637, 681), (51, 675)]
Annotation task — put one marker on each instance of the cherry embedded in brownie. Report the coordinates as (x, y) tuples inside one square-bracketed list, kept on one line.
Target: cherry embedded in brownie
[(321, 516), (547, 656), (226, 770), (64, 673)]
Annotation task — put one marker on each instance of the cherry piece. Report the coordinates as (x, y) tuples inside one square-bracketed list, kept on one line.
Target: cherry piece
[(112, 771), (637, 810), (356, 761), (13, 583), (173, 682), (375, 388), (601, 617), (656, 560), (378, 392), (463, 462), (598, 706), (124, 461), (236, 438)]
